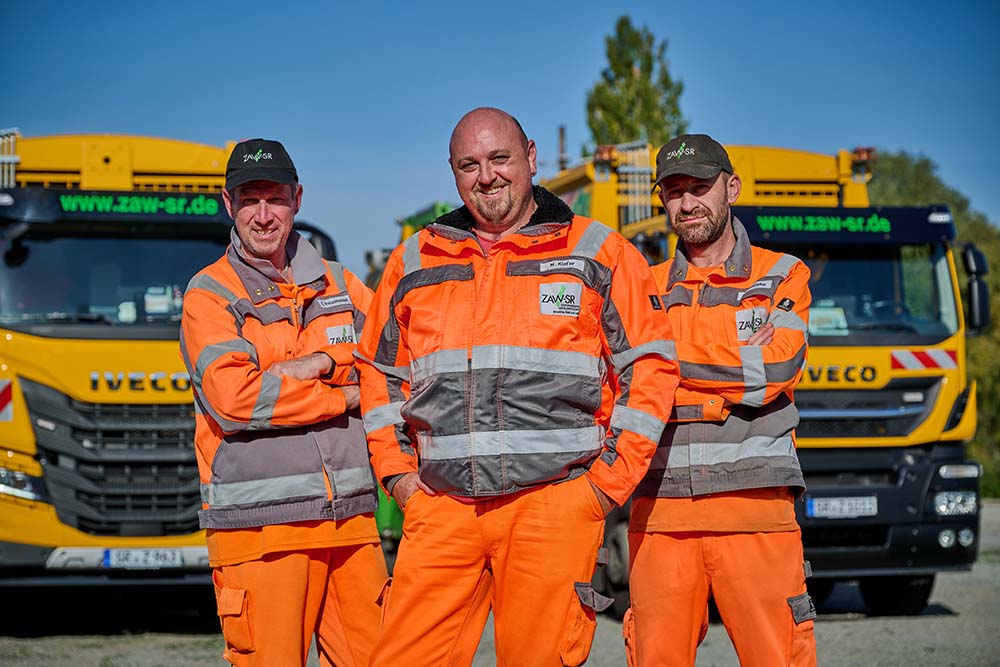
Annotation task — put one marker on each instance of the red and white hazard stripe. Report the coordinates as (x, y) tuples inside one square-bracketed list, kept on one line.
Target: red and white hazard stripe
[(918, 360), (6, 401)]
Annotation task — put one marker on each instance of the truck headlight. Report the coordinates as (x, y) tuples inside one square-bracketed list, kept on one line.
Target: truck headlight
[(21, 485), (955, 503), (959, 471)]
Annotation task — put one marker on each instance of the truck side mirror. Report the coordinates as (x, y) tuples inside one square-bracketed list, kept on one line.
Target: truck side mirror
[(978, 295)]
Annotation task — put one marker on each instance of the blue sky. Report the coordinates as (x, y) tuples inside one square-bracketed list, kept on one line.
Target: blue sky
[(364, 95)]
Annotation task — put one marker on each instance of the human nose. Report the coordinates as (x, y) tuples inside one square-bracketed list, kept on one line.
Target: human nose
[(486, 173), (263, 211), (688, 201)]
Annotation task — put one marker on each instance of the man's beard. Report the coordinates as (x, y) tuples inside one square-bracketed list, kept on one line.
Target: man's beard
[(705, 233), (494, 211)]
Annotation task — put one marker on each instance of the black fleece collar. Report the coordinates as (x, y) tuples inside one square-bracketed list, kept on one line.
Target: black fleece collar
[(550, 209)]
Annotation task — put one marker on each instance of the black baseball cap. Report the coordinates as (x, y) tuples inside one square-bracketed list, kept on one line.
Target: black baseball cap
[(697, 155), (259, 160)]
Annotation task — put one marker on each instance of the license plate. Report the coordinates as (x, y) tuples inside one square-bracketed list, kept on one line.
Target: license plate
[(142, 559), (842, 508)]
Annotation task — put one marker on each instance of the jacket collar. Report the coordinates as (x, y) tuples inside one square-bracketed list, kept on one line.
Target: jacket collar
[(259, 275), (737, 265), (552, 212)]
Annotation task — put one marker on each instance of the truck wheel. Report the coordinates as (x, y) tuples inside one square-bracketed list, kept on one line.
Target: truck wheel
[(820, 589), (616, 571), (896, 596)]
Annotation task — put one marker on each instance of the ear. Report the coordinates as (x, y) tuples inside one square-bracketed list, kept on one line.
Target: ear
[(298, 197), (227, 199), (734, 186), (532, 157)]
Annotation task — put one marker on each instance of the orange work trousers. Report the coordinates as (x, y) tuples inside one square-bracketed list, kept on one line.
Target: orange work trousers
[(757, 580), (272, 607), (530, 556)]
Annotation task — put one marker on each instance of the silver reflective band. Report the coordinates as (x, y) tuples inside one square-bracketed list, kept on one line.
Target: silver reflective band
[(637, 421), (275, 488), (712, 453), (496, 443), (382, 416)]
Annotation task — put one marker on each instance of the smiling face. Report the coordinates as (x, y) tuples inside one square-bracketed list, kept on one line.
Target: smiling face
[(493, 163), (699, 208), (264, 213)]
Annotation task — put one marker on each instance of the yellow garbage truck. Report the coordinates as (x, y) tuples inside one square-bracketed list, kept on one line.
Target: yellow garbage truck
[(100, 236), (885, 403)]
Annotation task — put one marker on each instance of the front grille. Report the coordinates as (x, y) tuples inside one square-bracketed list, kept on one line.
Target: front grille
[(117, 469), (844, 536), (858, 413)]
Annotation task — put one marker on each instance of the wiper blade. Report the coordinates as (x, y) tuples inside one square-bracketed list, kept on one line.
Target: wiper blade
[(77, 317), (885, 326)]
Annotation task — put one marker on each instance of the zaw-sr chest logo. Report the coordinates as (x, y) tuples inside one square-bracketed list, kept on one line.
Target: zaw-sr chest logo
[(560, 298), (343, 333)]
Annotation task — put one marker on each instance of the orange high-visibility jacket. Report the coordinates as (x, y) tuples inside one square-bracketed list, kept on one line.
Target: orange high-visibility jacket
[(535, 362), (272, 449), (733, 423)]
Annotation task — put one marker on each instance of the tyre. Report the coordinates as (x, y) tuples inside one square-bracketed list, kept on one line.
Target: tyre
[(896, 596), (820, 589)]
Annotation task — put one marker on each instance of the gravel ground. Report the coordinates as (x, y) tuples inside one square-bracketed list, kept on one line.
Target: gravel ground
[(961, 626)]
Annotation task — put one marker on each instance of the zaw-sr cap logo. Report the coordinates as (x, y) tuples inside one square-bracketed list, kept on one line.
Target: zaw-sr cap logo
[(680, 151), (258, 156)]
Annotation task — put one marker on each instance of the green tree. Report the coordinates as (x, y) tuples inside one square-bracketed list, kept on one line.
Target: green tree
[(902, 179), (636, 98)]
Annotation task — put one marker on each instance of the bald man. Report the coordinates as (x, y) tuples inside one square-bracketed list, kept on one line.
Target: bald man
[(515, 379)]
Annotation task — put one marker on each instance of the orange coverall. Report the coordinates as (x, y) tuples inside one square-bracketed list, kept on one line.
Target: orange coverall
[(517, 377), (714, 515), (288, 495)]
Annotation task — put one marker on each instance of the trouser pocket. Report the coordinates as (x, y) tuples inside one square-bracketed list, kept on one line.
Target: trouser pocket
[(802, 652), (383, 600), (234, 607), (581, 622)]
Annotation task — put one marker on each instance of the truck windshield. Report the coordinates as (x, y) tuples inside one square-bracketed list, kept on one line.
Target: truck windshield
[(879, 294), (100, 280)]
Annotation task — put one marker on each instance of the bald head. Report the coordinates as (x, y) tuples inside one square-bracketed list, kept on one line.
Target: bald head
[(493, 162), (486, 116)]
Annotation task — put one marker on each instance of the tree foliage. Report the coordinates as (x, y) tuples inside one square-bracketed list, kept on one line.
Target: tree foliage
[(635, 98), (901, 179)]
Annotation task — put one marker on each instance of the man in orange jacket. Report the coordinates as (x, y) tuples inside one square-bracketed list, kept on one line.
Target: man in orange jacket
[(714, 515), (514, 384), (268, 335)]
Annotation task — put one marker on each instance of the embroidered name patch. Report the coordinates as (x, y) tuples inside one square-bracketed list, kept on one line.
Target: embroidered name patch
[(561, 265), (748, 321), (338, 300), (342, 333), (560, 298), (762, 285)]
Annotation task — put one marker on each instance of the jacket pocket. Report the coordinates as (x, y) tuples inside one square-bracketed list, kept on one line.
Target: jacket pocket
[(383, 601), (628, 634), (235, 617), (581, 622)]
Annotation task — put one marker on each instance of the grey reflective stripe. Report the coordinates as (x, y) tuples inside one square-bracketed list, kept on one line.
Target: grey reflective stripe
[(349, 480), (784, 265), (436, 363), (210, 284), (263, 410), (398, 372), (712, 372), (337, 271), (265, 490), (411, 254), (637, 421), (382, 416), (535, 359), (679, 295), (592, 239), (212, 353), (714, 453), (495, 443), (665, 349), (754, 377), (505, 356), (782, 319)]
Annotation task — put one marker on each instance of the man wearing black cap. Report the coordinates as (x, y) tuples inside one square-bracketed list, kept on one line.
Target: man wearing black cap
[(268, 336), (714, 514)]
